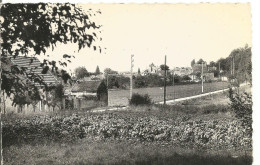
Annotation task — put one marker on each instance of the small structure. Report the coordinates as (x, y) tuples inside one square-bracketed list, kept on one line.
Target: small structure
[(182, 71), (86, 94)]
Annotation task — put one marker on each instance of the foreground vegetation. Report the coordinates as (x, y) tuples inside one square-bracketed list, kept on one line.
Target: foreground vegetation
[(181, 134), (88, 151)]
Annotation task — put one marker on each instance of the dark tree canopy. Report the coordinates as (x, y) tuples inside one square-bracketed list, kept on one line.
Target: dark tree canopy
[(97, 71), (242, 61), (192, 62), (201, 61), (164, 67), (139, 72), (81, 72), (40, 26), (31, 29), (212, 64), (109, 71)]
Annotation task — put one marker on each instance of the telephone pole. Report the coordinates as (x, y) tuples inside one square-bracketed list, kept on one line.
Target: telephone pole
[(173, 84), (202, 78), (164, 96), (219, 70), (231, 67), (234, 65), (131, 76)]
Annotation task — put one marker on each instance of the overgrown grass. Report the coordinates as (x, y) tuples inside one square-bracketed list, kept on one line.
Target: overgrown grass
[(87, 151)]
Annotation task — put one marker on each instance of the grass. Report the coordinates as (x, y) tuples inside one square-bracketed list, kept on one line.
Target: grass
[(120, 97), (118, 153)]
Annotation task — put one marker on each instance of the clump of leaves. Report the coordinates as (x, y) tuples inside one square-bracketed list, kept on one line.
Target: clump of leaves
[(241, 104), (138, 99)]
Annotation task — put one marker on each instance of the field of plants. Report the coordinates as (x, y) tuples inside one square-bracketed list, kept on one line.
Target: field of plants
[(120, 97), (212, 134), (154, 134)]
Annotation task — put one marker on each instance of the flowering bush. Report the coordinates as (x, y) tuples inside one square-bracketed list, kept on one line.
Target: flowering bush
[(209, 134)]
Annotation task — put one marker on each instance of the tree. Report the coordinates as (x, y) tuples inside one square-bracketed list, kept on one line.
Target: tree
[(54, 98), (201, 61), (102, 90), (212, 63), (81, 72), (198, 75), (186, 78), (139, 72), (31, 29), (97, 71), (163, 67), (192, 62), (109, 71)]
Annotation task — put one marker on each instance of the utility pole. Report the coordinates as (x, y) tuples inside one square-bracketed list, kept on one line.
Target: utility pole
[(231, 68), (219, 71), (164, 96), (173, 84), (234, 65), (107, 91), (131, 76), (202, 78)]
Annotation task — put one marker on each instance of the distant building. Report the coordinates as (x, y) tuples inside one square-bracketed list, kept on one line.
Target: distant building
[(212, 68), (208, 76), (85, 88), (198, 68), (153, 69), (84, 94), (182, 71)]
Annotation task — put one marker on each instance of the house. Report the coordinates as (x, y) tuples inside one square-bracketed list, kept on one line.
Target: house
[(31, 65), (86, 94), (212, 68), (152, 69), (198, 68), (182, 71), (208, 76), (85, 88)]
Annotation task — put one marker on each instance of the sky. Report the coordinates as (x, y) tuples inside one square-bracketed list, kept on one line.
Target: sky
[(182, 32)]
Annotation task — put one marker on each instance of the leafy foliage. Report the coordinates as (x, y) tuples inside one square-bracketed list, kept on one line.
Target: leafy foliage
[(54, 96), (81, 72), (201, 61), (180, 131), (109, 71), (241, 104), (31, 29), (164, 67), (138, 99), (97, 71), (102, 90), (243, 64), (118, 82)]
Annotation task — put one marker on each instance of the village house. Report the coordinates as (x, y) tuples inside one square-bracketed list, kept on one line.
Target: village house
[(182, 71), (86, 94), (32, 66)]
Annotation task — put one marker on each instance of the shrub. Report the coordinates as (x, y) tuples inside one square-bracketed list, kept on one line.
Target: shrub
[(241, 104), (138, 99)]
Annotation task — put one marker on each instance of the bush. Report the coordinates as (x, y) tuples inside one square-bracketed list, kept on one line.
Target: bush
[(138, 99), (241, 104)]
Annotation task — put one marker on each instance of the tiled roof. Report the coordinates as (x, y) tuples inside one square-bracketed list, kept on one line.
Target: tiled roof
[(86, 86), (33, 65)]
